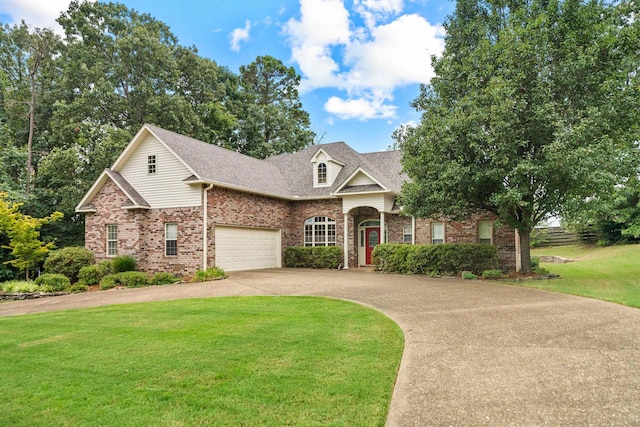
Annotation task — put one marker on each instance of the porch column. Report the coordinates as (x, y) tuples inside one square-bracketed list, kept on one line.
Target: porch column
[(413, 230), (345, 249), (382, 236)]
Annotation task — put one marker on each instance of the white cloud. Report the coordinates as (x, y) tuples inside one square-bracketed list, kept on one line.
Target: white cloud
[(367, 62), (239, 35), (36, 13)]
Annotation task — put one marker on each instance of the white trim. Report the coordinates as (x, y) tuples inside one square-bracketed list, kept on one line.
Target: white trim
[(345, 249), (329, 158), (205, 215), (371, 177), (97, 186)]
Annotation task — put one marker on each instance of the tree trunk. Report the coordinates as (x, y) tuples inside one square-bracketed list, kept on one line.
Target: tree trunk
[(525, 251), (32, 125)]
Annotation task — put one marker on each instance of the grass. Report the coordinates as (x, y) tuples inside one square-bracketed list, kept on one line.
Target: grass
[(608, 273), (225, 361)]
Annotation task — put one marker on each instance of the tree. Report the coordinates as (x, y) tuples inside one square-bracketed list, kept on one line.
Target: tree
[(272, 120), (533, 111), (26, 247)]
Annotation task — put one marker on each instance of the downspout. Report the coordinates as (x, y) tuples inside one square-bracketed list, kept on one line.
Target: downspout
[(205, 237)]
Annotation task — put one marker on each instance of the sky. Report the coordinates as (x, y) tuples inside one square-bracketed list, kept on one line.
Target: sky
[(361, 62)]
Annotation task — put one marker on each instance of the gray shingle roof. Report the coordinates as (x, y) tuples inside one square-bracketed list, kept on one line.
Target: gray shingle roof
[(130, 192), (285, 175)]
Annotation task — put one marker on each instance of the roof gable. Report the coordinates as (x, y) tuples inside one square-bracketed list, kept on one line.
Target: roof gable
[(137, 201)]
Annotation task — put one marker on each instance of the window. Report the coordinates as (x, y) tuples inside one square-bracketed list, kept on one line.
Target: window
[(151, 164), (485, 232), (320, 231), (112, 240), (322, 173), (437, 233), (171, 239), (407, 234)]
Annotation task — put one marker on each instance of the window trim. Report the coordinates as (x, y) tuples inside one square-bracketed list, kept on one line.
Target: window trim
[(405, 234), (152, 164), (433, 239), (322, 174), (490, 239), (112, 237), (167, 239), (319, 231)]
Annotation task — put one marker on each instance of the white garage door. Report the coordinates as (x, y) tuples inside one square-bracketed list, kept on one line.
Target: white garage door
[(240, 248)]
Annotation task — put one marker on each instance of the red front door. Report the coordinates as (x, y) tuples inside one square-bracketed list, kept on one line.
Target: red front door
[(372, 238)]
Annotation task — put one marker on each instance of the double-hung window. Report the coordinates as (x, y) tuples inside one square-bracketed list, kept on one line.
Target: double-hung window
[(407, 234), (171, 239), (112, 240), (151, 164), (437, 233), (320, 231), (485, 232), (322, 173)]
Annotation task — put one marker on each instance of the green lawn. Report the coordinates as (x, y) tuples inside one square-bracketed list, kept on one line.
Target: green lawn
[(218, 362), (609, 273)]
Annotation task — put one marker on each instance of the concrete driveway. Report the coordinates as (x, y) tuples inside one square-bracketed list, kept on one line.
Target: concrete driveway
[(476, 353)]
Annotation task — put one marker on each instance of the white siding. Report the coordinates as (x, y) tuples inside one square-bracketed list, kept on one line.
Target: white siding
[(165, 188), (334, 170), (361, 179), (376, 201), (240, 248)]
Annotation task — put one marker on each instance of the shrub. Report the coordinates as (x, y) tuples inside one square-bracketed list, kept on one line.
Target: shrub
[(128, 279), (163, 279), (124, 263), (212, 273), (492, 274), (78, 287), (19, 287), (68, 261), (329, 257), (108, 282), (92, 274), (53, 282), (535, 262), (467, 275), (450, 258)]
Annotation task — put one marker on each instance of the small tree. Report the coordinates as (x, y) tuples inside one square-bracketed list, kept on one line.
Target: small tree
[(24, 235)]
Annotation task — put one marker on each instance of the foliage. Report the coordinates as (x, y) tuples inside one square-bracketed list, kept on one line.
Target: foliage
[(92, 274), (492, 274), (533, 111), (163, 278), (272, 120), (538, 237), (278, 362), (19, 287), (55, 282), (467, 275), (68, 261), (211, 273), (535, 262), (78, 288), (127, 279), (448, 258), (27, 250), (313, 257), (123, 263)]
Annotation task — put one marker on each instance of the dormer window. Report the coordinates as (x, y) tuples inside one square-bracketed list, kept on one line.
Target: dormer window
[(151, 164), (322, 173)]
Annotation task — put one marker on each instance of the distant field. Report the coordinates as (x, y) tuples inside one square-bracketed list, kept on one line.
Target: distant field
[(213, 362), (609, 273)]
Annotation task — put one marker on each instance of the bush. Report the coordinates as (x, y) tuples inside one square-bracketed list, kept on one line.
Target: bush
[(449, 258), (123, 263), (492, 274), (68, 261), (535, 262), (78, 287), (19, 287), (92, 274), (53, 282), (328, 257), (163, 279), (467, 275), (212, 273), (128, 279)]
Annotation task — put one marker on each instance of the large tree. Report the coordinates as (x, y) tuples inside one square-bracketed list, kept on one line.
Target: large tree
[(272, 120), (534, 109)]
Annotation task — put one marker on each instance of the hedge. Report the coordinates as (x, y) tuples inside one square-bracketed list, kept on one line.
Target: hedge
[(313, 257), (448, 258)]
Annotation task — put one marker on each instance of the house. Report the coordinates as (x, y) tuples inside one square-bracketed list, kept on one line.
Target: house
[(178, 204)]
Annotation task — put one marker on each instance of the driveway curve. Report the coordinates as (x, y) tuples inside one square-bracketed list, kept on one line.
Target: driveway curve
[(476, 353)]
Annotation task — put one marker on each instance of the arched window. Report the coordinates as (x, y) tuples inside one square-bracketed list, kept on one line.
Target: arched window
[(322, 173), (320, 231)]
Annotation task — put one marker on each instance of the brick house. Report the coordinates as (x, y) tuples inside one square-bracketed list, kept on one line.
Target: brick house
[(178, 204)]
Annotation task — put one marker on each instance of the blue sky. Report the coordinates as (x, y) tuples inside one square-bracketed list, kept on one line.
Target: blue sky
[(361, 61)]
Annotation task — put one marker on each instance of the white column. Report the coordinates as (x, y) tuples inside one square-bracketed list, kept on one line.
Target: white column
[(413, 230), (345, 249), (382, 239)]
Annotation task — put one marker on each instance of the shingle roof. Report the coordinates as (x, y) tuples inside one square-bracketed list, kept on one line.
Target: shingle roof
[(284, 175), (128, 189)]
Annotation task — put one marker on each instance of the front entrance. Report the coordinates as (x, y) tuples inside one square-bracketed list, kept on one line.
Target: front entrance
[(372, 236)]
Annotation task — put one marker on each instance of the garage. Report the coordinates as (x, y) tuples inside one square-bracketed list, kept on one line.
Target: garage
[(240, 248)]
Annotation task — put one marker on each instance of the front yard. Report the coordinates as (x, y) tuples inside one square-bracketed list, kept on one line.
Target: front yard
[(221, 361)]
